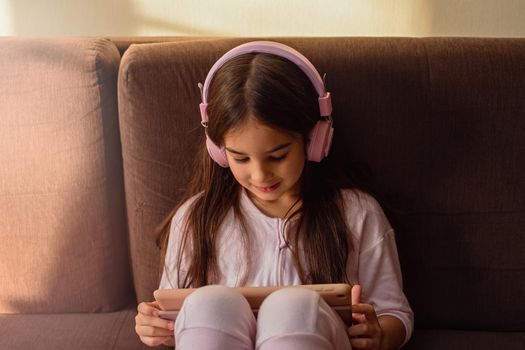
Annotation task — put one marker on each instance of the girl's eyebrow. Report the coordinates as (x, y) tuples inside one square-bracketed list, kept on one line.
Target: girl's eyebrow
[(276, 148)]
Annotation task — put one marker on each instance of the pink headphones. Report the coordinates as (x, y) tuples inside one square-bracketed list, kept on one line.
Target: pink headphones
[(321, 134)]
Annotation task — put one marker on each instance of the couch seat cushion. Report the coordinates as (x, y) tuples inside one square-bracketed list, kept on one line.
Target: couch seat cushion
[(101, 331), (423, 339)]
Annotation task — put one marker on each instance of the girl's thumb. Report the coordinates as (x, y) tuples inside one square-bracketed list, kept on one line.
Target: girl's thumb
[(356, 294)]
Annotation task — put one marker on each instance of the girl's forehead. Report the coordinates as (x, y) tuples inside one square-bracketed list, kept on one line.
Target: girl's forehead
[(252, 125), (249, 122), (253, 134), (252, 128)]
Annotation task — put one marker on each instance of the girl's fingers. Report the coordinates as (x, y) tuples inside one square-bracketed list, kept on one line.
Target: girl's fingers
[(363, 343), (148, 331), (153, 330), (365, 332), (155, 341), (169, 342), (152, 321), (364, 336), (361, 330), (148, 316), (365, 309), (358, 318), (150, 309)]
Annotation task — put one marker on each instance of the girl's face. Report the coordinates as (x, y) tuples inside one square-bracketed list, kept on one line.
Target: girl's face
[(268, 163)]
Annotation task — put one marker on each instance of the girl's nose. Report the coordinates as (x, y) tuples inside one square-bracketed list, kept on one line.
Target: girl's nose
[(260, 172)]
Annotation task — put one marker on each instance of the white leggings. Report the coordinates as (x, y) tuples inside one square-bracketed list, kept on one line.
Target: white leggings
[(219, 318)]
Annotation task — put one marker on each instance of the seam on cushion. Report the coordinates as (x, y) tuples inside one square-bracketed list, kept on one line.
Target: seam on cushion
[(429, 80), (448, 213), (128, 58), (121, 321), (107, 61)]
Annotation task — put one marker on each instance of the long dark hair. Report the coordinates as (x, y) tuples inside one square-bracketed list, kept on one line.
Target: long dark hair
[(280, 95)]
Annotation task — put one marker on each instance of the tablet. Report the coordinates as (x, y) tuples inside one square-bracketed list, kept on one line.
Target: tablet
[(337, 295)]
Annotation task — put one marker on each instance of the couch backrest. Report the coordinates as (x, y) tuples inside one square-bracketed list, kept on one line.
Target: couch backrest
[(437, 125), (62, 217)]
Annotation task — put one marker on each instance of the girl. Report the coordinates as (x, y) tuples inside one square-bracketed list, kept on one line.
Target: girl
[(264, 209)]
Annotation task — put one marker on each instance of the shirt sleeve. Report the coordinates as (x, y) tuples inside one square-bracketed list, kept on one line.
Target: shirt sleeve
[(171, 271), (381, 282), (378, 269)]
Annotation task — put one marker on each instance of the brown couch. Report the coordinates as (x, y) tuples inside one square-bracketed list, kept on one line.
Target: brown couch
[(97, 137)]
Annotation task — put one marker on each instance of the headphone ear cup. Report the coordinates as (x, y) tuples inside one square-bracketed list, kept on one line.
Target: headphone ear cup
[(218, 154), (320, 140)]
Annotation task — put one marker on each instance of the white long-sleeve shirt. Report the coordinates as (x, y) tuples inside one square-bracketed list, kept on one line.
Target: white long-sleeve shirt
[(373, 263)]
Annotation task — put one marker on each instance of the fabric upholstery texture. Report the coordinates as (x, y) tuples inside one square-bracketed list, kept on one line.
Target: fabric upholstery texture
[(62, 216), (438, 339), (115, 331)]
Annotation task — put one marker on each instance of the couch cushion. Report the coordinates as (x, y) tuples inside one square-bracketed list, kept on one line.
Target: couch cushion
[(435, 126), (446, 146), (123, 42), (62, 216), (102, 331), (424, 339)]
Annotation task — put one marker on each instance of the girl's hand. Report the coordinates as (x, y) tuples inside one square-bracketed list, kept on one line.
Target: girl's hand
[(151, 329), (366, 332)]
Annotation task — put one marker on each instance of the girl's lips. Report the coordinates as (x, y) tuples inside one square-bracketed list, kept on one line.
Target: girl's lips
[(268, 188)]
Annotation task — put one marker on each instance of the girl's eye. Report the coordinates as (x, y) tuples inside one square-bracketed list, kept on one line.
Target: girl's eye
[(278, 158), (272, 159)]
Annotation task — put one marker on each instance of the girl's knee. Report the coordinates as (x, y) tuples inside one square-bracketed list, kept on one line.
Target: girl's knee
[(290, 308), (215, 317), (299, 316), (293, 298), (216, 300)]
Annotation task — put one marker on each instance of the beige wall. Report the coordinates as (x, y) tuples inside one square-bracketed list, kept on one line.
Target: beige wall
[(263, 17)]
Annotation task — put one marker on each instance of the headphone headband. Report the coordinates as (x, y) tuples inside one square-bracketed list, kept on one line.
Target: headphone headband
[(278, 49)]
